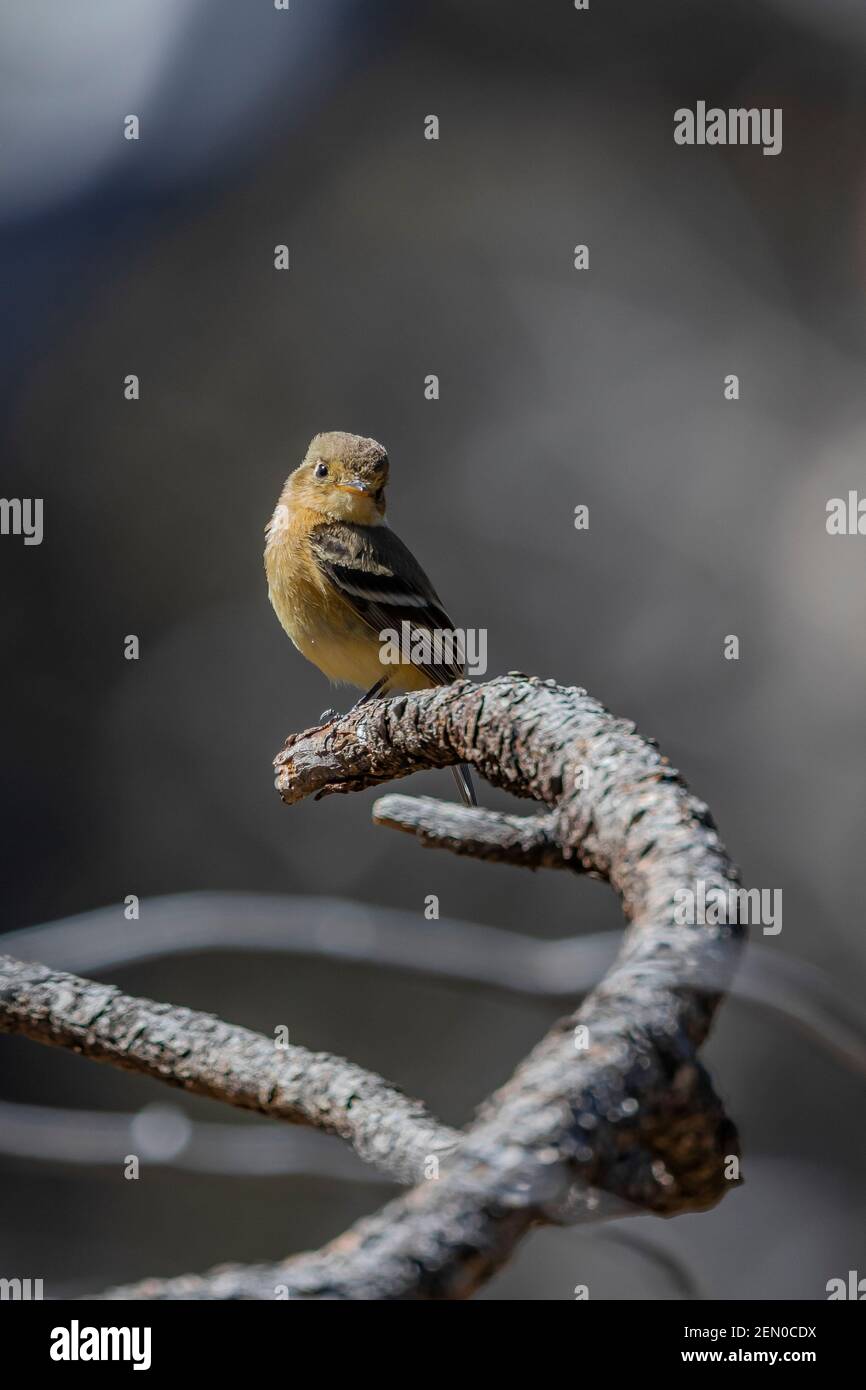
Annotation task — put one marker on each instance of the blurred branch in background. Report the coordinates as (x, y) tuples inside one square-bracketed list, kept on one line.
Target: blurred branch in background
[(165, 1137), (389, 938)]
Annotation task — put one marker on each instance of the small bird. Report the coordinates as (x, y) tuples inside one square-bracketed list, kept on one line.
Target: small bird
[(339, 579)]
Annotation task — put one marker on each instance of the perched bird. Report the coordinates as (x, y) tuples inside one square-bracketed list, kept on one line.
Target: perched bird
[(339, 579)]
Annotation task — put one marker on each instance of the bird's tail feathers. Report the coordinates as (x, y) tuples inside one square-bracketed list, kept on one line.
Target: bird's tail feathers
[(464, 784)]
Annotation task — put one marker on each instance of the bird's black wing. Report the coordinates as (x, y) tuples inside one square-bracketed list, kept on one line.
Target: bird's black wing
[(375, 573)]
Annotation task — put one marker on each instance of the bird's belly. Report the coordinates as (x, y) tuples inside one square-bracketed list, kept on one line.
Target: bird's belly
[(409, 678), (344, 656), (347, 652), (325, 630)]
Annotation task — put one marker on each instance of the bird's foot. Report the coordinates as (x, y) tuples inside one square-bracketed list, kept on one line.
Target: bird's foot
[(328, 716)]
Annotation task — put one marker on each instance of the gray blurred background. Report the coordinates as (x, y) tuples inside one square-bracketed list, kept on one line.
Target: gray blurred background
[(558, 387)]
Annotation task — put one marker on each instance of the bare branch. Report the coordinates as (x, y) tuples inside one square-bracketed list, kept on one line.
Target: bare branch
[(629, 1109), (612, 1110), (528, 841), (203, 1055)]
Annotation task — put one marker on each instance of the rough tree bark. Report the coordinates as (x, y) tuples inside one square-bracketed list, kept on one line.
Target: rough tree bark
[(208, 1057), (622, 1111)]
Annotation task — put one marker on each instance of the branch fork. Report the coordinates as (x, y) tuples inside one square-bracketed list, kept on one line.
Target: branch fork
[(612, 1112)]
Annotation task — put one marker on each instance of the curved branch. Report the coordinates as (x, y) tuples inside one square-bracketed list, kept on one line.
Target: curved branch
[(201, 1054), (624, 1105)]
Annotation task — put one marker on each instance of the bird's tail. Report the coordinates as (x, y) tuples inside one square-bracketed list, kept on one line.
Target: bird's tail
[(464, 784)]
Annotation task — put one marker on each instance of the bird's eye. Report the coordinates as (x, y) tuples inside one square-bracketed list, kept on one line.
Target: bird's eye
[(321, 470)]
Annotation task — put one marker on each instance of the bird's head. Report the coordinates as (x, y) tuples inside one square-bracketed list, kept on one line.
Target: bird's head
[(343, 477)]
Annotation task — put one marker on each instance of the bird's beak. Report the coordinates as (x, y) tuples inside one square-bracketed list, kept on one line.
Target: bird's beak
[(357, 485)]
